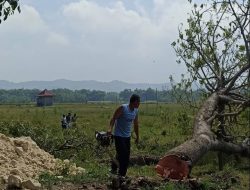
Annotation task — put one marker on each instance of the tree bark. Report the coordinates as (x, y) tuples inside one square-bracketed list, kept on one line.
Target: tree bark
[(221, 130), (177, 163), (143, 160)]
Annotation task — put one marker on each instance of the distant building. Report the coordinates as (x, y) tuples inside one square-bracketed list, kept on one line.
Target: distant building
[(45, 98)]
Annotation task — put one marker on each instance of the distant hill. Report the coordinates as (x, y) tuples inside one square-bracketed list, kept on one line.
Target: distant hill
[(113, 86)]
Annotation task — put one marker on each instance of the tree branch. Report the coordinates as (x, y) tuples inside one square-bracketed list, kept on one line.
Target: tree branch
[(241, 31), (231, 148), (230, 99), (236, 76)]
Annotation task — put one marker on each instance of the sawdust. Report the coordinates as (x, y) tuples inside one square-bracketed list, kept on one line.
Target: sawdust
[(22, 161)]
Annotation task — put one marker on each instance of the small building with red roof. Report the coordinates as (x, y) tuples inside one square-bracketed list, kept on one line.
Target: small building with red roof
[(45, 98)]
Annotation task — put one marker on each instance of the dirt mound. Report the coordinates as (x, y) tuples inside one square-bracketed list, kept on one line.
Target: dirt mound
[(21, 162)]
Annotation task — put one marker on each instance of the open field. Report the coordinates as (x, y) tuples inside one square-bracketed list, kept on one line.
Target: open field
[(162, 127)]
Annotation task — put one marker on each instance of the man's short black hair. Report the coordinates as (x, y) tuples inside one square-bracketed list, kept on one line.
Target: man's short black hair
[(134, 98)]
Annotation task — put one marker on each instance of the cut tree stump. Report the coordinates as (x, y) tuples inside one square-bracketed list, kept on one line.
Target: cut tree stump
[(173, 167)]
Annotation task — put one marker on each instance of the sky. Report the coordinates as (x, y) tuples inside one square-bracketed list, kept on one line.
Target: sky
[(103, 40)]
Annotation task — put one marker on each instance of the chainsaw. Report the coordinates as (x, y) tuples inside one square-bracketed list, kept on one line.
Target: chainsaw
[(104, 139)]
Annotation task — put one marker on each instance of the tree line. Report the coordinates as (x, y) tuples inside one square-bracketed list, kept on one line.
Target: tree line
[(83, 96)]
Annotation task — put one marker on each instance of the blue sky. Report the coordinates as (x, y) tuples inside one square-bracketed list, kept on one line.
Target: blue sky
[(100, 40)]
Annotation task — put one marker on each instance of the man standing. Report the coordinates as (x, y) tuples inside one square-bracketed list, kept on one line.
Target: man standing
[(123, 118), (64, 122)]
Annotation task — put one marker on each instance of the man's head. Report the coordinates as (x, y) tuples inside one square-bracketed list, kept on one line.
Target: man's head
[(134, 100)]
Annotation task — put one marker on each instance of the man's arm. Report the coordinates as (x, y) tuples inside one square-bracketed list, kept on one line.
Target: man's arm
[(117, 114), (136, 129)]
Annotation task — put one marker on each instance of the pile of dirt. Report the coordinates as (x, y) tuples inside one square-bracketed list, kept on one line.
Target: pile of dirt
[(22, 161)]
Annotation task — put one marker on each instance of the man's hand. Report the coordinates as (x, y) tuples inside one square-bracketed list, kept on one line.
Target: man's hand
[(109, 132)]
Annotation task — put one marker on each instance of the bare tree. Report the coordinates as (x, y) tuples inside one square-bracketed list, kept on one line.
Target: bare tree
[(215, 49)]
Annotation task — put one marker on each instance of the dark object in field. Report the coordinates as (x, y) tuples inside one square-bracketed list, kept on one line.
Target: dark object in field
[(103, 138)]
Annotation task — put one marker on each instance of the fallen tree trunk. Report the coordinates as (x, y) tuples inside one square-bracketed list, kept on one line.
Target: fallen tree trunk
[(143, 160), (177, 163), (139, 160)]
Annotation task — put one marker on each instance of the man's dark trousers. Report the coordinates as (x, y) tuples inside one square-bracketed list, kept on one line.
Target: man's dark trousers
[(122, 146)]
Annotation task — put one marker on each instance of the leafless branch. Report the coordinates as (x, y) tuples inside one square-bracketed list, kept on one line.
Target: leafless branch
[(236, 76), (231, 148), (230, 99)]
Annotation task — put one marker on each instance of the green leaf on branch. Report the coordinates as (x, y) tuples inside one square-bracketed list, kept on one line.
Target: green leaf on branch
[(7, 8), (242, 48), (173, 43)]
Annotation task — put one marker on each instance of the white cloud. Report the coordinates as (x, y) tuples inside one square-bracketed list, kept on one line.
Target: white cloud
[(29, 21), (101, 42), (57, 39), (136, 39)]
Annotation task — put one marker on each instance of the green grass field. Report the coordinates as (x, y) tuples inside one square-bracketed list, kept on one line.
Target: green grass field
[(162, 127)]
